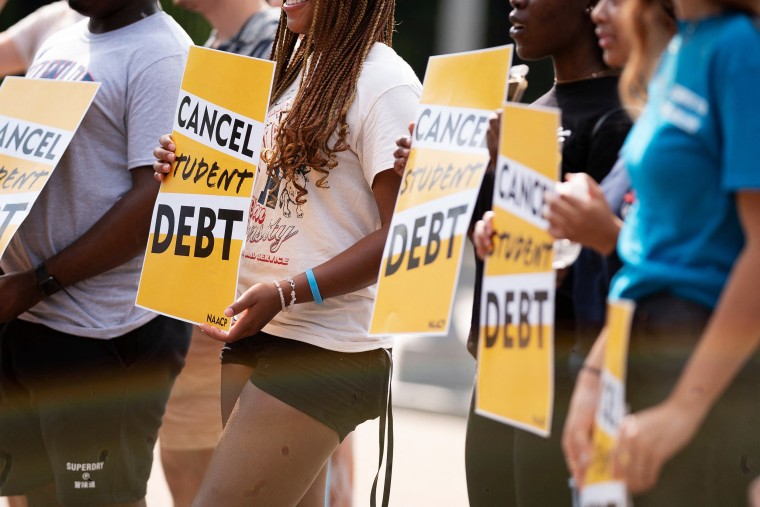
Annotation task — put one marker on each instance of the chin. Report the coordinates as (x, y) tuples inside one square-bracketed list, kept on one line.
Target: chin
[(614, 60)]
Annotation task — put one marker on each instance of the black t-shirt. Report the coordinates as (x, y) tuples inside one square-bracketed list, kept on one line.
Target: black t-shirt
[(597, 125), (596, 121)]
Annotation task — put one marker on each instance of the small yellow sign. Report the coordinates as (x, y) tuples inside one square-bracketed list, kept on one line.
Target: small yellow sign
[(201, 213), (601, 487), (38, 119)]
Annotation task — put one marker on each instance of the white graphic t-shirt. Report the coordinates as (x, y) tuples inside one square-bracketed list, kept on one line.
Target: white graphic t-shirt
[(285, 238)]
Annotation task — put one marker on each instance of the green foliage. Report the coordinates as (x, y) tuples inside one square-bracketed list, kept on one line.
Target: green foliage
[(416, 25), (194, 24)]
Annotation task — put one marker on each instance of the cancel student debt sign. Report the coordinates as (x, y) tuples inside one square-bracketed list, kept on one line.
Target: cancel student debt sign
[(423, 251), (38, 118), (515, 382), (200, 216)]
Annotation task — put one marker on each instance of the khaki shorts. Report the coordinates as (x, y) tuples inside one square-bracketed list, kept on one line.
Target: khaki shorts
[(193, 420)]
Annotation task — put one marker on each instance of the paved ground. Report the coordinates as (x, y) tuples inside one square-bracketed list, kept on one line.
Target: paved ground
[(428, 469)]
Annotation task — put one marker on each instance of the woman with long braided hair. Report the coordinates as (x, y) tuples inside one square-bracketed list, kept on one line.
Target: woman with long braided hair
[(299, 368)]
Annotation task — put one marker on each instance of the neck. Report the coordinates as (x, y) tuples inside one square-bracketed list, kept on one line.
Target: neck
[(593, 75), (228, 16), (574, 69), (124, 16), (579, 60), (696, 9)]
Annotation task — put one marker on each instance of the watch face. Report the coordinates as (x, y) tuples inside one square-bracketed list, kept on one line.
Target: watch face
[(50, 286)]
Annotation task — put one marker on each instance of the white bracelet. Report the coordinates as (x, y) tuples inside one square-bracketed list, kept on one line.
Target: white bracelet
[(282, 297), (292, 293)]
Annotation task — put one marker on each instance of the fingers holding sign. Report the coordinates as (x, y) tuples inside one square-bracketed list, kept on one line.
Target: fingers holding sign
[(165, 157), (579, 424), (401, 155), (482, 235), (249, 313)]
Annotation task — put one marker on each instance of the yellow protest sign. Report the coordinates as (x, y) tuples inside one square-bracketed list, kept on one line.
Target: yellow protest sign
[(200, 217), (601, 487), (38, 118), (515, 381), (423, 252)]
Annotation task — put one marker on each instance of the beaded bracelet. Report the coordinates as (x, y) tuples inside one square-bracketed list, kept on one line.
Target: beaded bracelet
[(292, 293), (282, 297), (313, 286)]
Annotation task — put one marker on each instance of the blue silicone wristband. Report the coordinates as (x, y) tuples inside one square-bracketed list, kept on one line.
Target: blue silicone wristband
[(313, 286)]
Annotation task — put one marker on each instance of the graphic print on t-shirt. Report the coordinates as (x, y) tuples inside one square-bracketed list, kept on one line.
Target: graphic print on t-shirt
[(278, 205), (61, 70)]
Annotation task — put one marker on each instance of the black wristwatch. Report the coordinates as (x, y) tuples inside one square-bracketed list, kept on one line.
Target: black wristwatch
[(45, 281)]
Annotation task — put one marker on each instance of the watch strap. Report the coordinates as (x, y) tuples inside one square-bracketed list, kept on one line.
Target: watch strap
[(45, 281)]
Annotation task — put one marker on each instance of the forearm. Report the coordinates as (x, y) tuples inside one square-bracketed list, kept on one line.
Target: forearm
[(353, 269), (118, 236), (11, 62), (606, 240), (729, 340), (595, 358)]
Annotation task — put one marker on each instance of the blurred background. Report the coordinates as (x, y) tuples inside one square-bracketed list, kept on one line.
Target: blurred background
[(425, 28)]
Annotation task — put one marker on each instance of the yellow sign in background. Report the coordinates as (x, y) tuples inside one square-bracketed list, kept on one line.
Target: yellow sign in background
[(38, 118), (515, 382), (423, 253), (600, 485), (204, 202)]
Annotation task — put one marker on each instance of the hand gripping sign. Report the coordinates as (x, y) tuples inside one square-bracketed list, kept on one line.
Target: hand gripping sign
[(38, 118), (423, 252), (601, 488), (200, 217), (515, 380)]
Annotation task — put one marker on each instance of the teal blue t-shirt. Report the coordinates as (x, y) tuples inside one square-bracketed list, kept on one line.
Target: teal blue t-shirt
[(695, 145)]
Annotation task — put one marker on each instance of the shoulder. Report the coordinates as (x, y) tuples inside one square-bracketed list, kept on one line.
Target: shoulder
[(736, 43), (386, 82), (163, 36), (75, 31), (383, 70), (51, 12), (163, 45), (262, 25)]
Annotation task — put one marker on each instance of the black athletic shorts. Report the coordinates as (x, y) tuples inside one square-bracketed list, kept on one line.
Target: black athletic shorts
[(339, 389), (84, 412)]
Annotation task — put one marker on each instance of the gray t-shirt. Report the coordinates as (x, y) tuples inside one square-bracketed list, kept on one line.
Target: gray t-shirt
[(140, 69)]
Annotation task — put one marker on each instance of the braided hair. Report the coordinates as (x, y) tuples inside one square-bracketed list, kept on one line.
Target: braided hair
[(328, 60)]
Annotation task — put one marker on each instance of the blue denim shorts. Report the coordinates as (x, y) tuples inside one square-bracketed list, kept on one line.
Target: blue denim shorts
[(339, 389)]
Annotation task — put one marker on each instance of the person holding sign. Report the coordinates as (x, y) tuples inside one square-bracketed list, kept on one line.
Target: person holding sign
[(595, 220), (504, 464), (84, 374), (299, 362), (690, 254), (192, 423)]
